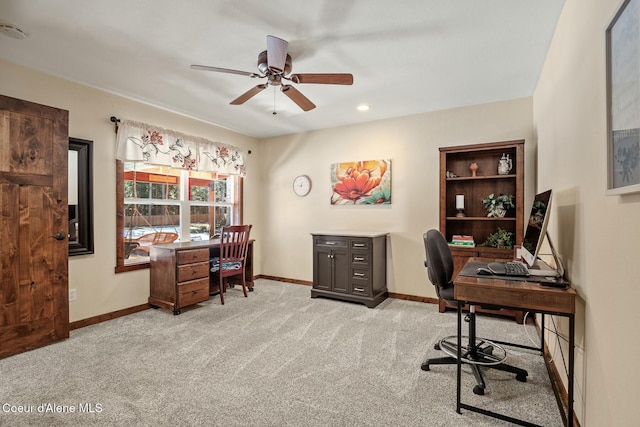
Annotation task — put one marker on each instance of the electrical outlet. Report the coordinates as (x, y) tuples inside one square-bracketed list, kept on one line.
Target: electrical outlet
[(72, 295)]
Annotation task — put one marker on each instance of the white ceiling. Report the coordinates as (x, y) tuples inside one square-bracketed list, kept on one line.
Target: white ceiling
[(406, 56)]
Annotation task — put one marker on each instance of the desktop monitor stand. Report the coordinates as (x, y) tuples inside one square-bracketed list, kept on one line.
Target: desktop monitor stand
[(541, 268)]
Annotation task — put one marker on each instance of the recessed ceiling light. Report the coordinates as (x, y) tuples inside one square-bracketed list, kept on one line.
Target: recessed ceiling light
[(12, 31), (363, 107)]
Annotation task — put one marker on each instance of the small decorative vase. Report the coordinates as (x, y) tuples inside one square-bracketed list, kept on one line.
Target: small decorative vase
[(473, 167), (505, 164)]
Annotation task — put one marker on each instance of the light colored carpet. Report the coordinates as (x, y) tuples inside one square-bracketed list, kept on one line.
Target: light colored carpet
[(276, 358)]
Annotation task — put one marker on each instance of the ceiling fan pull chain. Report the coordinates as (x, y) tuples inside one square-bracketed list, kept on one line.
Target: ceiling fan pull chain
[(274, 101)]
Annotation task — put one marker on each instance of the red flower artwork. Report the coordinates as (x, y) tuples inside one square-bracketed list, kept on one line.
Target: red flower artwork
[(358, 179)]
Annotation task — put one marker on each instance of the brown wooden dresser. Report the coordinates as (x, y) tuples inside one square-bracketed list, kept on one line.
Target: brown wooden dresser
[(180, 273)]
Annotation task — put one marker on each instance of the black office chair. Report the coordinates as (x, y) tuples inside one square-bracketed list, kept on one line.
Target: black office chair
[(478, 351)]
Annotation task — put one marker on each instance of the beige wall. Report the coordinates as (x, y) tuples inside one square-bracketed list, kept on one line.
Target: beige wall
[(597, 234), (412, 144), (99, 289)]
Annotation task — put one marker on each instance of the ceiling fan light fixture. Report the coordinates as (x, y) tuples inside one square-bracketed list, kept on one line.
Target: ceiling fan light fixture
[(363, 107), (275, 65), (276, 54)]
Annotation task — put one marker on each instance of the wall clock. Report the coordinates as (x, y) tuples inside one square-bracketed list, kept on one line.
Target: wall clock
[(302, 185)]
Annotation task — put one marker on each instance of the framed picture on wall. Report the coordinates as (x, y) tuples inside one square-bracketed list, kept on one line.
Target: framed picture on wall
[(80, 187), (623, 100), (363, 182)]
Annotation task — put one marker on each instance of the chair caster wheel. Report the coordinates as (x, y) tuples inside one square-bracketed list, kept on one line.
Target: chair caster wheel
[(436, 346), (176, 312), (521, 378), (250, 289), (479, 390), (424, 367), (488, 350)]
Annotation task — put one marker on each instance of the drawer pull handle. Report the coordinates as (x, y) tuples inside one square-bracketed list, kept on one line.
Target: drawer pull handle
[(358, 245), (358, 289), (358, 258), (330, 243), (358, 274)]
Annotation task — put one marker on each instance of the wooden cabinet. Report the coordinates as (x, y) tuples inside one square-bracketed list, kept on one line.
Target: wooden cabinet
[(456, 178), (179, 277), (331, 264), (350, 267)]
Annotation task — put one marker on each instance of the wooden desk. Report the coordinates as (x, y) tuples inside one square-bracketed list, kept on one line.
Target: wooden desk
[(180, 273), (518, 294)]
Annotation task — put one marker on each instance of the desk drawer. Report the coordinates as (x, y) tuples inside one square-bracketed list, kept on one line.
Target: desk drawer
[(192, 255), (360, 287), (360, 258), (360, 273), (335, 242), (193, 292), (193, 271), (360, 244)]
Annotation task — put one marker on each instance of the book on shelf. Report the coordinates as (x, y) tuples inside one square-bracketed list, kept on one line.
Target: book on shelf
[(462, 240)]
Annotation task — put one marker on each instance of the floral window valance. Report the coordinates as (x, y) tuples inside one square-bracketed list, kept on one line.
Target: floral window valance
[(139, 142)]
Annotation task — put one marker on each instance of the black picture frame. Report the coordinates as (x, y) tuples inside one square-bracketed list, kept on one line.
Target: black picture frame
[(623, 100), (81, 215)]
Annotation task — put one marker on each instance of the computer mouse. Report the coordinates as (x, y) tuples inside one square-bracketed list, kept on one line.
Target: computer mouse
[(484, 271)]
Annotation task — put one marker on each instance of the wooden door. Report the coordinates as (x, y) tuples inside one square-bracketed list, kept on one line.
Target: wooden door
[(34, 307)]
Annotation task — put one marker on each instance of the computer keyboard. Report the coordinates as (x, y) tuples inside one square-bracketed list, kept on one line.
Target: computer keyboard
[(508, 268)]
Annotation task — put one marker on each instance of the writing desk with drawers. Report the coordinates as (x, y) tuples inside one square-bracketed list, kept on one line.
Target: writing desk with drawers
[(180, 273)]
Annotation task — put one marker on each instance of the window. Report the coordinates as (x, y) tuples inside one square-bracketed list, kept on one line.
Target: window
[(159, 204)]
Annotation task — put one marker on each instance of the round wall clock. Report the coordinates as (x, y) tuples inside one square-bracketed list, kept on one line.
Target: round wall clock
[(302, 185)]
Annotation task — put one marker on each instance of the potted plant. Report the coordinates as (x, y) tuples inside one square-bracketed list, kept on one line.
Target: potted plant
[(501, 239), (497, 206)]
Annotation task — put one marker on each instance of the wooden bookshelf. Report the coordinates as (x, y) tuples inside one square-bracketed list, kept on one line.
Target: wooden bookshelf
[(456, 161)]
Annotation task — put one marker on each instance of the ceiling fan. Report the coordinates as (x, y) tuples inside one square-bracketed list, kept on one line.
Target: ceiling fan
[(275, 64)]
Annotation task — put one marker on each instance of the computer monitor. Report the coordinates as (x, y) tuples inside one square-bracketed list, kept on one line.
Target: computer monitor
[(536, 230)]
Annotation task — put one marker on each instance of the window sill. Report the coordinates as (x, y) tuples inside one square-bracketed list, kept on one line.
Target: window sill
[(131, 267)]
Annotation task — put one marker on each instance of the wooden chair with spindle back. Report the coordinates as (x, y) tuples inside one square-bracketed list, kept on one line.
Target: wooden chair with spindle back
[(234, 242)]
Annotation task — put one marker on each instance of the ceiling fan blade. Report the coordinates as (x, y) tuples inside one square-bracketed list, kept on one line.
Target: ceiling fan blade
[(249, 94), (297, 97), (327, 79), (224, 70), (276, 53)]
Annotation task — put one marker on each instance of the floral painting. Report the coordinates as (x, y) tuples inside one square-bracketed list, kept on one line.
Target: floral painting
[(366, 182)]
